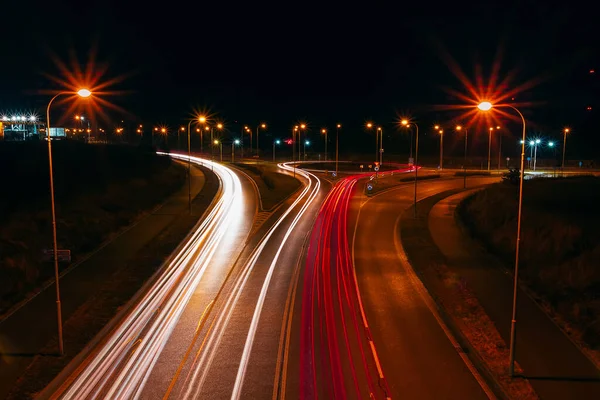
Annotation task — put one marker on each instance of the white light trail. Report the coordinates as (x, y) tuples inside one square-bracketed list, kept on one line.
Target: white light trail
[(121, 366)]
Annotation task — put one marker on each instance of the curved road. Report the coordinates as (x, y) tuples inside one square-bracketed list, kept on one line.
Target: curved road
[(418, 355), (210, 325)]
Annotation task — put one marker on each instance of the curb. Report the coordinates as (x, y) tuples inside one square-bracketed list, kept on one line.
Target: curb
[(470, 351)]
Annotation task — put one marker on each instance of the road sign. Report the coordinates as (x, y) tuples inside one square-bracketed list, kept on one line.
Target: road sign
[(377, 168), (334, 174), (63, 255), (372, 177), (411, 161), (369, 187)]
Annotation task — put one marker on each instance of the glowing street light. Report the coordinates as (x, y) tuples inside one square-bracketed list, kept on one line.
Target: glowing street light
[(458, 129), (441, 132), (407, 124), (324, 132), (275, 142), (486, 106), (218, 143), (233, 144), (337, 136), (263, 126), (82, 93), (565, 132)]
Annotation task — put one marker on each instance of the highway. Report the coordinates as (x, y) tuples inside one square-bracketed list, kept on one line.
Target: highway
[(210, 324), (418, 354), (365, 328)]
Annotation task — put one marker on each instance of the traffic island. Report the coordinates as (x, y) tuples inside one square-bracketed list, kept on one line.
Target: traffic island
[(458, 305)]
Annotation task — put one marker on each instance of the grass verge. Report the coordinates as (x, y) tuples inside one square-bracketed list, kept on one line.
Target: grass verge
[(560, 246), (459, 307), (111, 295), (273, 187), (98, 189)]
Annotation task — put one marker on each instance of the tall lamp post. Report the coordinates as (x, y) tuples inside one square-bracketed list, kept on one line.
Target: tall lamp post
[(294, 133), (565, 131), (263, 126), (380, 132), (369, 126), (407, 124), (235, 142), (337, 137), (81, 93), (275, 142), (441, 132), (486, 106), (490, 147), (459, 128), (218, 142), (201, 119), (324, 132), (302, 128)]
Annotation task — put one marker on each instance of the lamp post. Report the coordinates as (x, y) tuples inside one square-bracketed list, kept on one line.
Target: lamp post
[(302, 128), (490, 147), (81, 93), (264, 126), (182, 129), (407, 124), (486, 106), (551, 145), (380, 132), (275, 142), (537, 141), (369, 126), (324, 132), (459, 128), (337, 136), (220, 148), (565, 131), (201, 119), (236, 141), (441, 132)]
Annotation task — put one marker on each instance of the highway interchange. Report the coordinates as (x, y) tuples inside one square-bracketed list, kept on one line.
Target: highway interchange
[(316, 302)]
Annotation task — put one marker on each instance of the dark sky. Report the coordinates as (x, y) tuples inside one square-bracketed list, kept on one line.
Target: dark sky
[(290, 61)]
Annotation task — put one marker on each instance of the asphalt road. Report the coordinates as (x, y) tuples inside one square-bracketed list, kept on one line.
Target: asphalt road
[(211, 325), (418, 356)]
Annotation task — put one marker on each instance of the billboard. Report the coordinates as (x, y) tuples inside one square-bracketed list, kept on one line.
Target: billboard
[(57, 132)]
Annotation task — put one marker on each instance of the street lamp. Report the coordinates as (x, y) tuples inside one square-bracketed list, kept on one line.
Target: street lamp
[(337, 136), (236, 141), (537, 141), (459, 128), (221, 148), (324, 132), (380, 131), (369, 126), (565, 131), (490, 147), (302, 128), (201, 119), (407, 124), (275, 142), (486, 106), (81, 93), (441, 131), (294, 133), (263, 126)]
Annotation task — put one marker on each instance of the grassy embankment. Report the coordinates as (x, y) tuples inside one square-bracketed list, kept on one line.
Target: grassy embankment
[(560, 244), (273, 186), (99, 190)]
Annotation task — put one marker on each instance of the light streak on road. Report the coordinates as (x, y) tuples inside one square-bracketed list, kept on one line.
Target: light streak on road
[(201, 366), (337, 353), (121, 365)]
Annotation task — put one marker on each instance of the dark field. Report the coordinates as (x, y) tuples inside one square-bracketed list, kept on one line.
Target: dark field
[(99, 189), (560, 242)]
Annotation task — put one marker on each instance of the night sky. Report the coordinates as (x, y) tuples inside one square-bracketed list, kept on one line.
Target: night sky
[(292, 61)]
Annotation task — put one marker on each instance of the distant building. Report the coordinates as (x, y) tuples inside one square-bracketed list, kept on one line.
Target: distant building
[(19, 127)]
